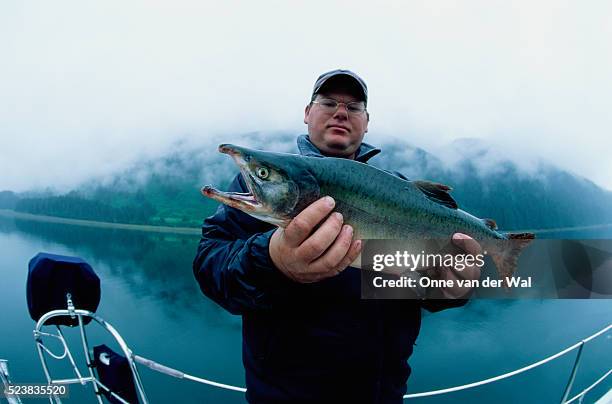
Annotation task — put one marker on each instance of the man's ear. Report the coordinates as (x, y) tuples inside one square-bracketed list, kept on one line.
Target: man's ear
[(306, 113)]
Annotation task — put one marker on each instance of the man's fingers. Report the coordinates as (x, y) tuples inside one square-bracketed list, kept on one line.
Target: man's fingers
[(338, 250), (351, 255), (301, 226), (466, 243), (320, 240), (318, 274)]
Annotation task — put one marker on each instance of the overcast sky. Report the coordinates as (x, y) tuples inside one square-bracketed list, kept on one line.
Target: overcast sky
[(86, 87)]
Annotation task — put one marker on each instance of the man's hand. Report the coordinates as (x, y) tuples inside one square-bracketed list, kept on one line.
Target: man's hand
[(306, 257), (467, 245)]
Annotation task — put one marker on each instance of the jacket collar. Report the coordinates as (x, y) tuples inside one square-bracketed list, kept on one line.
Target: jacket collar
[(307, 148)]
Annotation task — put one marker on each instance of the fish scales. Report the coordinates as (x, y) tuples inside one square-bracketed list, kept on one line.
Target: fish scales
[(383, 206)]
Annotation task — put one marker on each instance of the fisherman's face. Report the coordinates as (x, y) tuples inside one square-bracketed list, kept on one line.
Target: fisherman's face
[(339, 133)]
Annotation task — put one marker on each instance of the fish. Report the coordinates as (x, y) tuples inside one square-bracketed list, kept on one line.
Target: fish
[(376, 203)]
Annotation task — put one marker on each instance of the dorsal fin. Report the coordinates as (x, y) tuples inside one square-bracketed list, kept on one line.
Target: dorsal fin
[(490, 223), (436, 192)]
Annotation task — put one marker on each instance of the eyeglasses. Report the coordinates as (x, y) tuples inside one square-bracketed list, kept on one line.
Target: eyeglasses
[(331, 105)]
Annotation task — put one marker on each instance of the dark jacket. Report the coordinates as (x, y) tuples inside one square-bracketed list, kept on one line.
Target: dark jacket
[(317, 342)]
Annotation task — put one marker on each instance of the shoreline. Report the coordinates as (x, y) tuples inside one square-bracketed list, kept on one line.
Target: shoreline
[(102, 225), (196, 230)]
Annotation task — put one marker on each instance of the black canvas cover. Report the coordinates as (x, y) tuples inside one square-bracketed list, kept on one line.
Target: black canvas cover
[(115, 373), (51, 277)]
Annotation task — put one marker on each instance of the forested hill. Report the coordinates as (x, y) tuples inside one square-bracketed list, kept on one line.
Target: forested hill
[(542, 197), (165, 191)]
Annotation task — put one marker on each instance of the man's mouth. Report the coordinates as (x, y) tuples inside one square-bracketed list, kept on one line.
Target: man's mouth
[(339, 127)]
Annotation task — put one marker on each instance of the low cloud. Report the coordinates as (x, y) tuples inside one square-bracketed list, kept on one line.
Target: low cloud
[(82, 100)]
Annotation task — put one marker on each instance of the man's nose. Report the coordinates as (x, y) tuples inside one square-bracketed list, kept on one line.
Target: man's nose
[(341, 111)]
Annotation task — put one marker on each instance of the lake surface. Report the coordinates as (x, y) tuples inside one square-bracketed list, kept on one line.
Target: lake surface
[(150, 296)]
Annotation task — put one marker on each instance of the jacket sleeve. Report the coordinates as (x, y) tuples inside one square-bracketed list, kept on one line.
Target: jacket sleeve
[(232, 265)]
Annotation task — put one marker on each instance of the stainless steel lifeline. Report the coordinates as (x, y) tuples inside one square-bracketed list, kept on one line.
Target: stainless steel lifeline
[(133, 359)]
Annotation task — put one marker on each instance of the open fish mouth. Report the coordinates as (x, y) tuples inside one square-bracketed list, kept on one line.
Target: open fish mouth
[(246, 201), (238, 200)]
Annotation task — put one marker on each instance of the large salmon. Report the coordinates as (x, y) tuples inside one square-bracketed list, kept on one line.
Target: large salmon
[(377, 204)]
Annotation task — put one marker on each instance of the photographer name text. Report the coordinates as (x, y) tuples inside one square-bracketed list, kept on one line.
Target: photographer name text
[(426, 282)]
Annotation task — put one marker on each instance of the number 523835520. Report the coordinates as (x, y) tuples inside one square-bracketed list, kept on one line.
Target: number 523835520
[(35, 390)]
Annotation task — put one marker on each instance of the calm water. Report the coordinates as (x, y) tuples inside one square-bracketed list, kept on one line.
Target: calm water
[(149, 294)]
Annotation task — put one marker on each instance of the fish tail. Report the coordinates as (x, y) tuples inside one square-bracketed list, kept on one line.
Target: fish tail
[(505, 253)]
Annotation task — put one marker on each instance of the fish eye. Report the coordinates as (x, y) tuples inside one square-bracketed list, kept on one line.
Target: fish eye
[(262, 172)]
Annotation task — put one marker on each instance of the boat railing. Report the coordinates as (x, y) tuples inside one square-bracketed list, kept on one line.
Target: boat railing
[(568, 387), (134, 359), (579, 345)]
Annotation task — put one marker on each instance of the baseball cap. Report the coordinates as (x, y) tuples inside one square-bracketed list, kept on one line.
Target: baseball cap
[(343, 76)]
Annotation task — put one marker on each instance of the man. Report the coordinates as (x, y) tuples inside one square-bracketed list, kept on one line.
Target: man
[(307, 334)]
